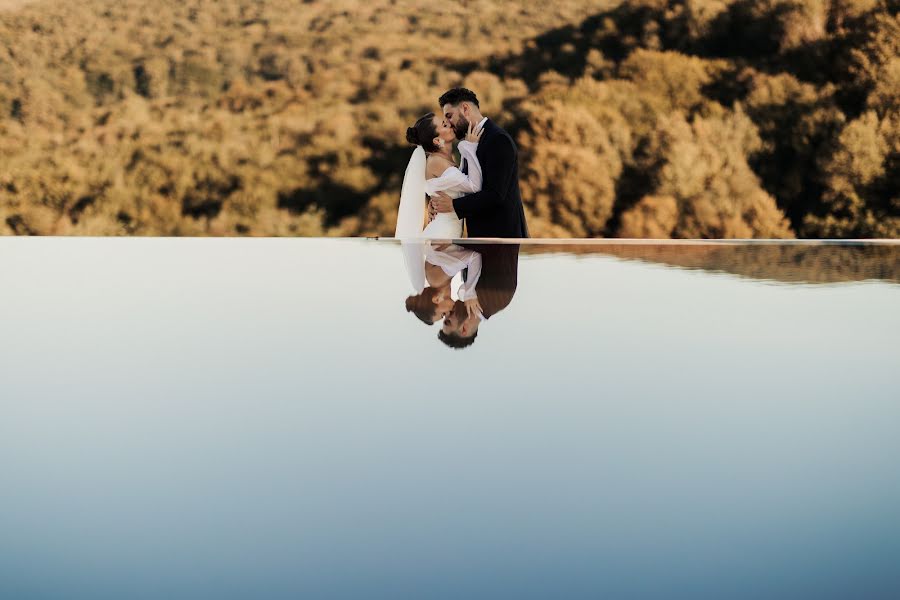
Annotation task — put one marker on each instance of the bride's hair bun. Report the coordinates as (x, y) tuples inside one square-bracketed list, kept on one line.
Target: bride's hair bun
[(423, 133)]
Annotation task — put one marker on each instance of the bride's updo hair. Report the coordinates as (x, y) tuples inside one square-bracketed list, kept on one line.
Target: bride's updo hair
[(423, 133), (422, 305)]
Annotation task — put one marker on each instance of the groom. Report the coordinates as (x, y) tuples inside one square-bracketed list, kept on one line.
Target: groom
[(495, 288), (495, 211)]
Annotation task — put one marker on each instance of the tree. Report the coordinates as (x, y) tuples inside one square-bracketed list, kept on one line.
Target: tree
[(862, 195), (704, 168)]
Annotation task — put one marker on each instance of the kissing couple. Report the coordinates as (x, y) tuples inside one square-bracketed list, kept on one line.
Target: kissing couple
[(483, 189), (488, 287)]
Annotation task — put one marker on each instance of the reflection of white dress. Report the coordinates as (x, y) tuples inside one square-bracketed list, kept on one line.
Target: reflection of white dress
[(445, 226), (452, 259), (454, 183)]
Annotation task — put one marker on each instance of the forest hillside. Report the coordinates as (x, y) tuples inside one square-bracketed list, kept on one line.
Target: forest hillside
[(648, 118)]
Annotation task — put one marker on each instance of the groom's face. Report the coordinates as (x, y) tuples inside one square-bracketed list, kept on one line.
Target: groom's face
[(459, 322), (459, 122)]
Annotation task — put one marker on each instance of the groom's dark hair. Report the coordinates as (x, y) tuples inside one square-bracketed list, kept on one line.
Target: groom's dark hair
[(456, 341), (457, 95)]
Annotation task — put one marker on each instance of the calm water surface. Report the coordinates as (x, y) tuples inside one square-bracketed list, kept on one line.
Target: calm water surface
[(235, 418)]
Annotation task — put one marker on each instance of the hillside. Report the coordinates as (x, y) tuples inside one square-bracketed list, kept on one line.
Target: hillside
[(652, 118), (13, 4)]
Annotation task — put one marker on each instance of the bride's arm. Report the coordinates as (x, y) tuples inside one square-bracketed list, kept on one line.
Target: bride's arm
[(469, 163), (454, 179), (452, 259), (467, 152), (473, 263)]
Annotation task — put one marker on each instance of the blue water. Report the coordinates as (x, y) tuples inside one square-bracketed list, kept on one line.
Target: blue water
[(234, 418)]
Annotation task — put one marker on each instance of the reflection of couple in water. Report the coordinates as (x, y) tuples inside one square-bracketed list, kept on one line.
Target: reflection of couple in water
[(460, 317), (489, 283), (483, 190)]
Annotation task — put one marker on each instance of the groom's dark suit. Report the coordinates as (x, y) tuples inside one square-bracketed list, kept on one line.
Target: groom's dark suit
[(499, 275), (495, 211)]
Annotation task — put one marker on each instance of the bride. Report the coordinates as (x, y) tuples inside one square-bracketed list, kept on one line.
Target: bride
[(432, 169)]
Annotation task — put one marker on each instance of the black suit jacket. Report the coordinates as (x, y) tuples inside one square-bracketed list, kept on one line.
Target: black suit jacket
[(499, 276), (495, 211)]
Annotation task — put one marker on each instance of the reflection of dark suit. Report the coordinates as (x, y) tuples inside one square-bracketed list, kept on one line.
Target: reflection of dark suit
[(495, 211), (499, 276)]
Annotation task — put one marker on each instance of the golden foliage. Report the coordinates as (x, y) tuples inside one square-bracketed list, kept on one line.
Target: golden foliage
[(705, 169), (652, 217), (672, 80), (198, 117), (862, 197), (682, 118)]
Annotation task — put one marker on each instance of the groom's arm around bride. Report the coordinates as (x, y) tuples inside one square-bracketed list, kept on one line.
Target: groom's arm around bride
[(495, 211)]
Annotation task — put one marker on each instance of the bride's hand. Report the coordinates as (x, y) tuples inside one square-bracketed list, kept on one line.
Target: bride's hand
[(473, 307), (473, 135)]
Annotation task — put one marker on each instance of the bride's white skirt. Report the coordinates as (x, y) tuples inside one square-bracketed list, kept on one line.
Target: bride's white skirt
[(445, 226)]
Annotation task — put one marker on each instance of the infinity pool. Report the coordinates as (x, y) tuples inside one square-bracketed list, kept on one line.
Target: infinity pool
[(255, 418)]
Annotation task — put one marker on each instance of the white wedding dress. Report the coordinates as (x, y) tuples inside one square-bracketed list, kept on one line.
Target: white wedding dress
[(452, 182), (445, 226)]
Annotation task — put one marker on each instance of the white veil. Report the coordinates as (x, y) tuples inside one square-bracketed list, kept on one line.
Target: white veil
[(412, 198), (410, 216)]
